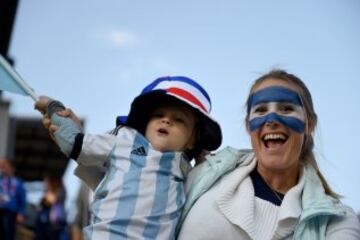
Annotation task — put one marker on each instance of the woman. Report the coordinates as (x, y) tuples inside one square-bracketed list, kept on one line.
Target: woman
[(275, 191)]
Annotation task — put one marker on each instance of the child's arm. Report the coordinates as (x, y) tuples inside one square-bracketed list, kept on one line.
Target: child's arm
[(66, 130), (90, 151)]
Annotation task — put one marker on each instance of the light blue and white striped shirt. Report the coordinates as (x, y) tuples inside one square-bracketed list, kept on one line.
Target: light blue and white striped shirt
[(140, 195)]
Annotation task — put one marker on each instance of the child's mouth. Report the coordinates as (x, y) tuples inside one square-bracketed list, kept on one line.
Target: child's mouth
[(163, 131)]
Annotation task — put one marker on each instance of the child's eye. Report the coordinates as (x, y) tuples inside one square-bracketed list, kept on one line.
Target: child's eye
[(179, 119), (157, 115)]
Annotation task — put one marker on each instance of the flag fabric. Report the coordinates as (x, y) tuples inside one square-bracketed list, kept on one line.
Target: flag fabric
[(10, 80)]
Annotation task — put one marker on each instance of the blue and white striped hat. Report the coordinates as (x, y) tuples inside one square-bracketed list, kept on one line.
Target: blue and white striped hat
[(185, 90)]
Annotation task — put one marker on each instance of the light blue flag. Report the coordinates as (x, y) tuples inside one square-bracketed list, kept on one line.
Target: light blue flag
[(11, 81)]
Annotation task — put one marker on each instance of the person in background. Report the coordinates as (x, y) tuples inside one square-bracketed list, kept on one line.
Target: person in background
[(51, 220), (82, 217), (276, 190), (12, 200)]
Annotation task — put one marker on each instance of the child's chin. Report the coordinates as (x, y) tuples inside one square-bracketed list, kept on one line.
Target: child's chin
[(160, 148), (163, 149)]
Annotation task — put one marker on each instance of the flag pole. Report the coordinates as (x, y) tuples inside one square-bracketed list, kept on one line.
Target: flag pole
[(18, 79)]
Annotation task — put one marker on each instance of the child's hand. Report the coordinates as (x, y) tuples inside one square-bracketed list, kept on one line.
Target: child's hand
[(42, 106), (68, 113), (62, 123), (42, 103), (66, 130)]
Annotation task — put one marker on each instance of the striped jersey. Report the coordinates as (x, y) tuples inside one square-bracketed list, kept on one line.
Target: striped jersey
[(141, 194)]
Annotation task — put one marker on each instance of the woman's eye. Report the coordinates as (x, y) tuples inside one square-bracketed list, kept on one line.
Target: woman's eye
[(287, 108), (261, 109)]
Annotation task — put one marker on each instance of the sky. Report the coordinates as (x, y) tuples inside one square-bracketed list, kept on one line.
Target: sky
[(96, 56)]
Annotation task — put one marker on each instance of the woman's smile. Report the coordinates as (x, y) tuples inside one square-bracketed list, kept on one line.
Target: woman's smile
[(274, 140)]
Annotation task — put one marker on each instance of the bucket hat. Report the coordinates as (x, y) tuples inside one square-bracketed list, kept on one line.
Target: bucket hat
[(176, 89)]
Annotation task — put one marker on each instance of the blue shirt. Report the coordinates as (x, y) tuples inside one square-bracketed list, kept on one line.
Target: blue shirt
[(12, 194)]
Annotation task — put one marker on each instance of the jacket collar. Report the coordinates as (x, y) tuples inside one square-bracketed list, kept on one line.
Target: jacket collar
[(237, 200), (237, 203), (303, 202), (314, 199)]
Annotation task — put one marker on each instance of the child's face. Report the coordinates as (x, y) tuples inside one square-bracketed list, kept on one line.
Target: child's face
[(171, 128)]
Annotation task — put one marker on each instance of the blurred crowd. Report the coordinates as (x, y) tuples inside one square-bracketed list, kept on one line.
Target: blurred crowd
[(22, 219)]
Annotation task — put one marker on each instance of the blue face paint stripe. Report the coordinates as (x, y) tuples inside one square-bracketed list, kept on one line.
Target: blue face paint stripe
[(161, 196), (291, 122), (127, 200), (275, 94)]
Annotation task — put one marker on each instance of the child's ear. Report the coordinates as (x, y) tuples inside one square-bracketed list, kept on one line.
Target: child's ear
[(191, 143)]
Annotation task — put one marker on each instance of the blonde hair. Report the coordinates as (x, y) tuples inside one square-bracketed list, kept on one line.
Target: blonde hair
[(307, 155)]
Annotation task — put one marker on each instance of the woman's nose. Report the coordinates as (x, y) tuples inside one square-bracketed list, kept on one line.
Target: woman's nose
[(271, 124)]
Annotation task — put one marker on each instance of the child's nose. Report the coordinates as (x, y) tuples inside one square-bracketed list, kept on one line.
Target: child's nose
[(166, 120)]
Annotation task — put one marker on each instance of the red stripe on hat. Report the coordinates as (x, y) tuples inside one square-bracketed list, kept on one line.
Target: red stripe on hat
[(188, 96)]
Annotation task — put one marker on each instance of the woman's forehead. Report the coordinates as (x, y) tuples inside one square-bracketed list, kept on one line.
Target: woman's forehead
[(270, 82)]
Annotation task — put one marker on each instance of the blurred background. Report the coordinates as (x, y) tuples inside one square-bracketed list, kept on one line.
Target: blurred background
[(96, 56)]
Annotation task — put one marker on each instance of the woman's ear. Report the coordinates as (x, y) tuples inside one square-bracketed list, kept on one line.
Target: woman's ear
[(247, 125), (310, 129)]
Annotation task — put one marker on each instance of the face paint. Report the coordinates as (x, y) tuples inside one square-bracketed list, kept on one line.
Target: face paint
[(277, 104)]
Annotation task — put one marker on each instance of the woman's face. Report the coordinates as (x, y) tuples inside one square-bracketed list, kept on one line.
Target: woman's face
[(276, 125)]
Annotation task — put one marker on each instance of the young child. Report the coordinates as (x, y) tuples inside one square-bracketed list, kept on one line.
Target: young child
[(138, 171)]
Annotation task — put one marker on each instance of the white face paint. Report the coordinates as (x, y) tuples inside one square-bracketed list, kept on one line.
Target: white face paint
[(277, 104), (280, 108)]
